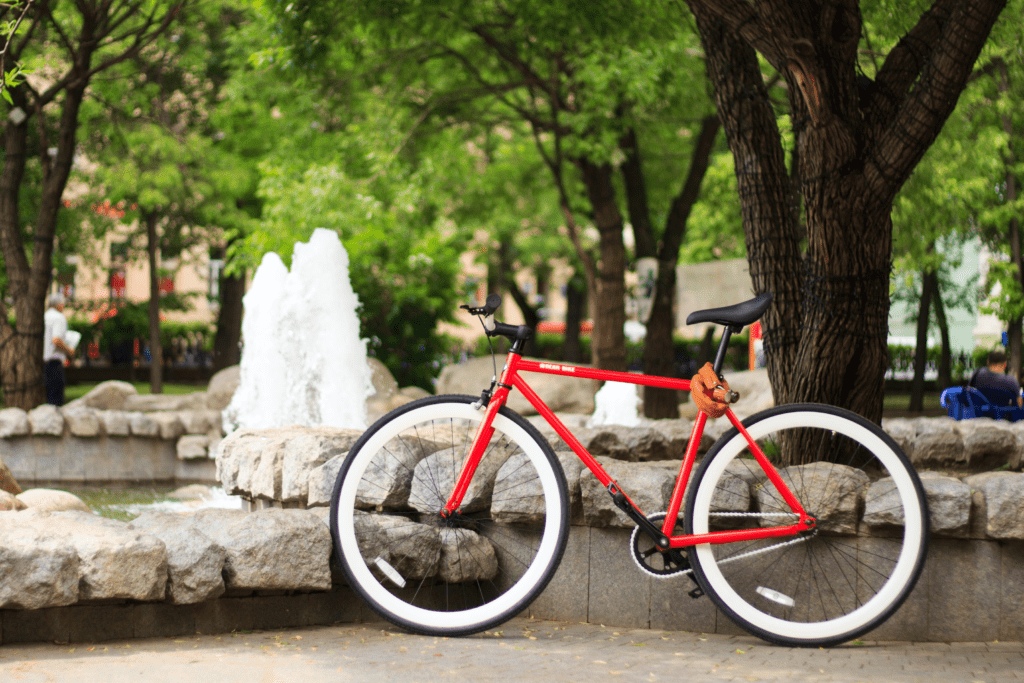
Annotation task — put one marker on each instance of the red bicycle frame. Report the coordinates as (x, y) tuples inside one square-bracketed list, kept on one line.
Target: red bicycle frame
[(510, 378)]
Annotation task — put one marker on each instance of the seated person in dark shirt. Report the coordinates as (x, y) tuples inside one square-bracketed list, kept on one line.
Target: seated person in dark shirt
[(995, 377)]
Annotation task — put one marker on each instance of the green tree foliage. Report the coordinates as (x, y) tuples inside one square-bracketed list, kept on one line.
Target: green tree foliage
[(148, 132), (64, 47), (348, 161), (581, 83)]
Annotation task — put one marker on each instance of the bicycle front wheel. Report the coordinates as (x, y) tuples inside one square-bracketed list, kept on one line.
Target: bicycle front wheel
[(471, 570), (837, 581)]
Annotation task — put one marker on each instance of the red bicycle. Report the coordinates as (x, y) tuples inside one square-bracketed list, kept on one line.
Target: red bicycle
[(805, 524)]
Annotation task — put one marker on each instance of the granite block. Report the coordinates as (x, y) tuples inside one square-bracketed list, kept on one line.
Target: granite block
[(156, 619), (96, 623), (620, 593), (1011, 582), (567, 596), (224, 615), (30, 626), (960, 584), (280, 611)]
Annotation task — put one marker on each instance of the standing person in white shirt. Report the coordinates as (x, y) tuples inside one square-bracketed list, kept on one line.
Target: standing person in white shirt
[(55, 350)]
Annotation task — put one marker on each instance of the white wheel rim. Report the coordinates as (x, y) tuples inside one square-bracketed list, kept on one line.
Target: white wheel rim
[(901, 574), (476, 615)]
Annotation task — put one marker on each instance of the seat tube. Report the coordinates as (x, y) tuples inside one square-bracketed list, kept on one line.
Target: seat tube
[(483, 436)]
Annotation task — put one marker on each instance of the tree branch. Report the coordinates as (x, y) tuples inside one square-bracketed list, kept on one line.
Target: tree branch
[(924, 111), (741, 17), (675, 224), (141, 41), (904, 63)]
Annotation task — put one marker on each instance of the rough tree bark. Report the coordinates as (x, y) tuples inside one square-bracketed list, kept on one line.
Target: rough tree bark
[(858, 142)]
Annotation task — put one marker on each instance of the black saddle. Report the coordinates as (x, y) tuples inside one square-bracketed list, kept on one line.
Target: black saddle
[(737, 315)]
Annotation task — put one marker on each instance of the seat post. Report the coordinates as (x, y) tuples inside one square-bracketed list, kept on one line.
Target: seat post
[(723, 347)]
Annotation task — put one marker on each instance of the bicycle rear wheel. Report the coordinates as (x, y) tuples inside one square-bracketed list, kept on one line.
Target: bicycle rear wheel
[(474, 569), (831, 584)]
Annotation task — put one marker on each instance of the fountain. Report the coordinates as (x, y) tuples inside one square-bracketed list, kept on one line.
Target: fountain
[(303, 362), (616, 403)]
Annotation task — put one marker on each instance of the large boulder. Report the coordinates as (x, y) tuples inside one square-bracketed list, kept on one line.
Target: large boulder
[(151, 403), (9, 502), (649, 485), (201, 421), (116, 562), (195, 562), (83, 421), (988, 443), (938, 444), (520, 499), (8, 483), (52, 500), (38, 565), (563, 394), (46, 419), (115, 422), (270, 549), (1004, 504), (654, 440), (142, 424), (109, 395), (386, 396), (949, 504), (275, 464), (170, 424), (435, 477), (222, 387), (832, 493), (13, 422), (322, 479)]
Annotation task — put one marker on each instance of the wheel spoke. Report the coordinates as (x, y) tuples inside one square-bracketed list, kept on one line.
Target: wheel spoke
[(448, 574), (837, 579)]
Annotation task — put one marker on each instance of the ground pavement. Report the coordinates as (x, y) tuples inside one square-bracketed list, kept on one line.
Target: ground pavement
[(523, 649)]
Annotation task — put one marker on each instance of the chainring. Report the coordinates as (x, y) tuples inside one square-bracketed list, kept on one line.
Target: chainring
[(651, 560)]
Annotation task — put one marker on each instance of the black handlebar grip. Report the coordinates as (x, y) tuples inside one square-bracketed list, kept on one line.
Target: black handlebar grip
[(492, 303)]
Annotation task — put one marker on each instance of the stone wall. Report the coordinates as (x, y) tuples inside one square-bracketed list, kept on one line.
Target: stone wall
[(82, 445), (217, 570)]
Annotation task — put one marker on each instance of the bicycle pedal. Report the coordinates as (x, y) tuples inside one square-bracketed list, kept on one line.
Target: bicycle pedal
[(696, 593)]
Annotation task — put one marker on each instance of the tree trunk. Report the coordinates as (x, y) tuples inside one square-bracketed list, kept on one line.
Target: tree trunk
[(770, 226), (28, 282), (921, 349), (659, 347), (609, 338), (825, 335), (21, 344), (659, 353), (229, 322), (156, 353), (1014, 351), (575, 300), (945, 378)]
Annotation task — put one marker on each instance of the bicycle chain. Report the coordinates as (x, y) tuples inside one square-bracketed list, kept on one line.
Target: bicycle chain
[(733, 558)]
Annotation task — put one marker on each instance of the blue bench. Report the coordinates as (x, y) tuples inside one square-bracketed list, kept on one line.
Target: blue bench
[(963, 403)]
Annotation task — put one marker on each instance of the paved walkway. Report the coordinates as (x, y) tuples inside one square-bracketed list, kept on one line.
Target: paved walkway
[(521, 650)]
